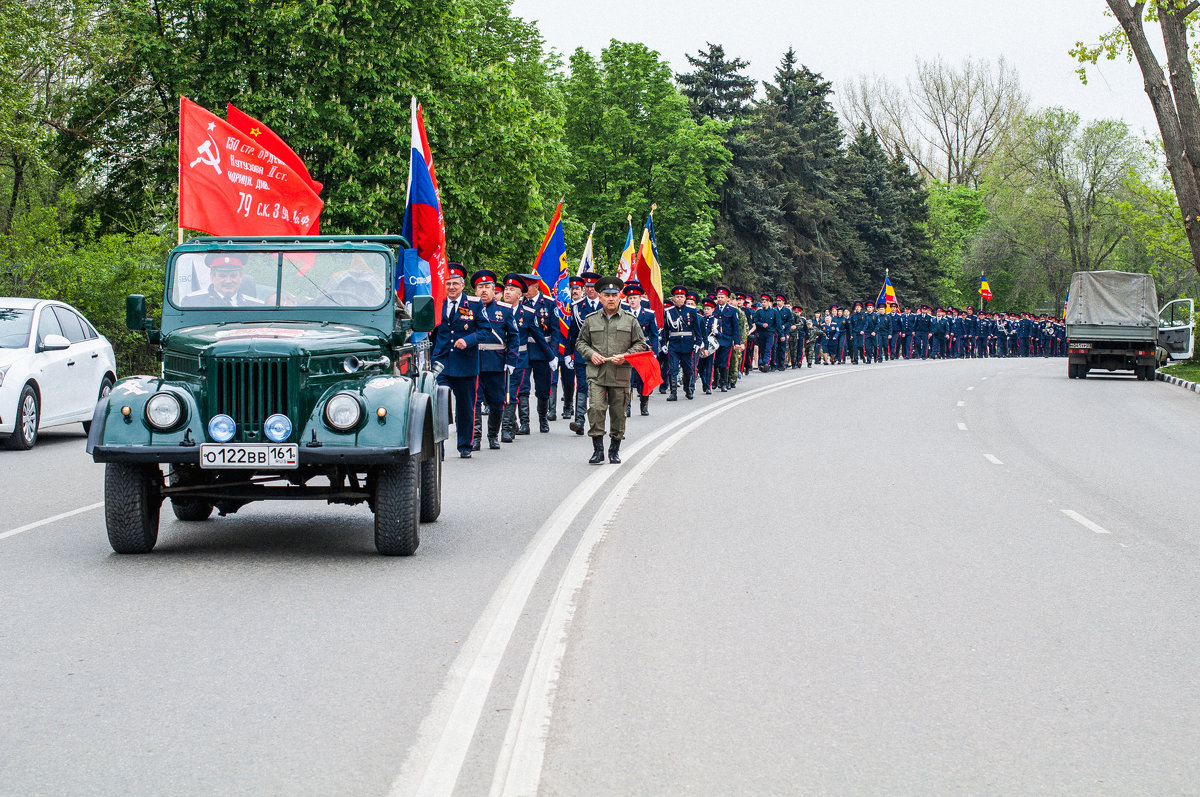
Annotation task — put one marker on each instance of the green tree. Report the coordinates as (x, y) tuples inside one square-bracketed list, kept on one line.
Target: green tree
[(1172, 93), (632, 143), (335, 81)]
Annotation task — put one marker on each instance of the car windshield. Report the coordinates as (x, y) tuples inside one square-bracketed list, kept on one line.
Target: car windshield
[(14, 327), (275, 280)]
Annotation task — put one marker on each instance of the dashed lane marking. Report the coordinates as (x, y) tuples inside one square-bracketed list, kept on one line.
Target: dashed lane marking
[(49, 520), (992, 459), (962, 427), (1087, 524)]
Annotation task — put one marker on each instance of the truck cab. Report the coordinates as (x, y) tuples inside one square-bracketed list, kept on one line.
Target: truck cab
[(289, 372)]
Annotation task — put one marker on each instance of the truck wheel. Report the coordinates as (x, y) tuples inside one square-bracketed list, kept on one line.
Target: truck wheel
[(1151, 373), (398, 508), (190, 509), (132, 500), (1083, 371), (431, 485), (1072, 371)]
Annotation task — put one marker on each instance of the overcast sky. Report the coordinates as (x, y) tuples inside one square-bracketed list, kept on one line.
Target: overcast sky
[(844, 40)]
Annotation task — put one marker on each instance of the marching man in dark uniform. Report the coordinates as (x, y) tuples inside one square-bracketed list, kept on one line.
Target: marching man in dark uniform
[(729, 336), (543, 352), (497, 341), (580, 310), (456, 347), (604, 340), (680, 338), (645, 316)]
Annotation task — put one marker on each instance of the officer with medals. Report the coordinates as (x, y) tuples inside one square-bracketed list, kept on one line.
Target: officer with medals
[(634, 292), (680, 339), (456, 347), (580, 310), (497, 341), (605, 339), (543, 352)]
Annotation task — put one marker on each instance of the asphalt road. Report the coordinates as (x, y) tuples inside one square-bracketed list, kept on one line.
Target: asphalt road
[(951, 577)]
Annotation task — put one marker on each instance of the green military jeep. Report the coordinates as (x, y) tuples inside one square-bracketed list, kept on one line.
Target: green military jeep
[(288, 372)]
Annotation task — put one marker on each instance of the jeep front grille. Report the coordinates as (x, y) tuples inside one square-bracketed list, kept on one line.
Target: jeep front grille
[(250, 391)]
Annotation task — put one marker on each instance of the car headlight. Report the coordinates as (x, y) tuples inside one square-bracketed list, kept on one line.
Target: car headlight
[(163, 411), (277, 428), (343, 411), (221, 428)]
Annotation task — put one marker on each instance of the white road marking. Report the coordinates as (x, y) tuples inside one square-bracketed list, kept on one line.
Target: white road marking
[(1087, 524), (962, 403), (983, 378), (962, 427), (50, 520), (436, 758), (992, 459), (972, 387)]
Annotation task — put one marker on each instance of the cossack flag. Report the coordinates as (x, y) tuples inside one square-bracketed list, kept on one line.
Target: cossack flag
[(887, 296), (646, 268), (230, 184), (985, 290), (625, 264), (550, 265)]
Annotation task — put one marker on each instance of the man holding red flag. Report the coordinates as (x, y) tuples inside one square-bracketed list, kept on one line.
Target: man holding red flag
[(424, 225), (606, 339)]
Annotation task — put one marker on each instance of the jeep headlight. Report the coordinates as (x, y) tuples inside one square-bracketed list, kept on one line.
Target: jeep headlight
[(277, 428), (164, 411), (222, 428), (343, 411)]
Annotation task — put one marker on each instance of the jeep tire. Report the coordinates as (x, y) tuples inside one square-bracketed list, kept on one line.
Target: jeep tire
[(398, 508), (431, 485), (132, 499)]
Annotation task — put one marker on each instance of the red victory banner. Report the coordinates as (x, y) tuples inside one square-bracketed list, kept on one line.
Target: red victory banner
[(230, 184), (271, 140)]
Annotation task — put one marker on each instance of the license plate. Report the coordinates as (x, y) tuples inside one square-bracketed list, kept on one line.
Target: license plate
[(251, 456)]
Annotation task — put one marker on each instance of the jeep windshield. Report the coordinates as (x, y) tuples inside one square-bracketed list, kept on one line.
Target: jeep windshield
[(259, 280)]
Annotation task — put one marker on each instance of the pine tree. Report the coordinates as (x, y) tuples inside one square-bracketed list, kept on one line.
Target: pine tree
[(717, 89)]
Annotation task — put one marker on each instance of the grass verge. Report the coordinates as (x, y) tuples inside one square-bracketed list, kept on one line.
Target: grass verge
[(1188, 369)]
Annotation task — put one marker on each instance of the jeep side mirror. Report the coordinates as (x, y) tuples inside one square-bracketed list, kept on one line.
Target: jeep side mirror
[(135, 312), (422, 314), (135, 317)]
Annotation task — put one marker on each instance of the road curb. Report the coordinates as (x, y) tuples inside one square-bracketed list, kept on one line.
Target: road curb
[(1183, 383)]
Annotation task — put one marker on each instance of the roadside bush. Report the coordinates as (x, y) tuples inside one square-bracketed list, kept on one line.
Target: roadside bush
[(94, 274)]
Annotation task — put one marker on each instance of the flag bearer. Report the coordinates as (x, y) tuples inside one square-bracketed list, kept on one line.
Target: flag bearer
[(496, 338)]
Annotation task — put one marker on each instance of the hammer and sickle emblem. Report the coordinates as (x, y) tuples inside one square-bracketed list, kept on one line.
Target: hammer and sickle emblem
[(208, 155)]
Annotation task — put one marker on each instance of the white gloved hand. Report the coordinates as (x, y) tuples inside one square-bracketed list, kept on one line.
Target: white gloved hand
[(664, 348), (570, 363), (508, 369), (553, 363)]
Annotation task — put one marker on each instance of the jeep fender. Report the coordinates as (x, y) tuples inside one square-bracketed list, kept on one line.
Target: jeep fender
[(111, 427)]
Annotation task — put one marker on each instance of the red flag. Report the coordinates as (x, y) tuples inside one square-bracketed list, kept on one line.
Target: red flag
[(231, 185), (274, 144), (646, 364)]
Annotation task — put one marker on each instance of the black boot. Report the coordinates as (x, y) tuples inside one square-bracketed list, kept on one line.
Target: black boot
[(674, 396), (478, 436), (688, 391), (597, 451), (723, 377), (523, 414), (550, 413), (493, 430), (508, 424), (628, 406), (580, 413), (543, 419), (645, 405), (614, 451)]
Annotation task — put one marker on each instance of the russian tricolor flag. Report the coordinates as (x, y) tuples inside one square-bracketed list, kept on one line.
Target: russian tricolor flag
[(424, 226)]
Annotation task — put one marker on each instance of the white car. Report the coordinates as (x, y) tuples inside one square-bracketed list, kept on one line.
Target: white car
[(54, 367)]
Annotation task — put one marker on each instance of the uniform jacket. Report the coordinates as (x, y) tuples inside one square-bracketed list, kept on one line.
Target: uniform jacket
[(649, 324), (496, 336), (545, 314), (681, 329), (608, 336), (463, 326)]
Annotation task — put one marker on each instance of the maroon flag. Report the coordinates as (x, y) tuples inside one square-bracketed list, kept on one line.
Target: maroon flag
[(646, 364), (230, 184)]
